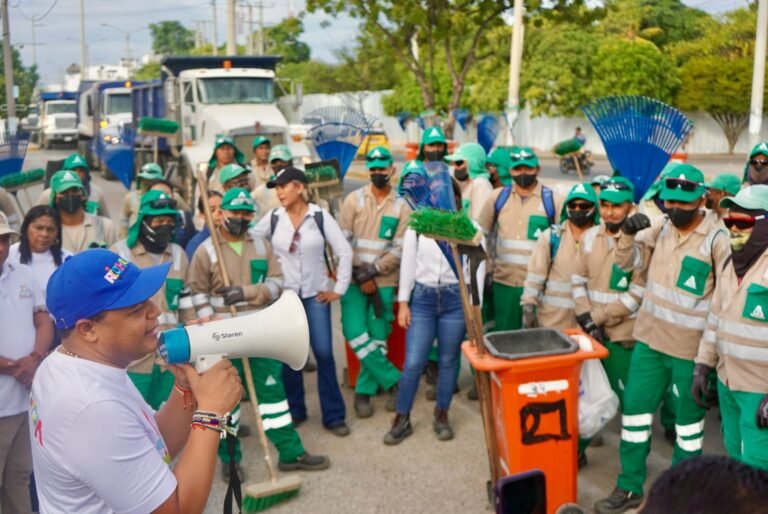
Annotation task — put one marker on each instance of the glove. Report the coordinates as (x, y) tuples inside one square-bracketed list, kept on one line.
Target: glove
[(364, 273), (635, 224), (589, 326), (762, 413), (529, 316), (700, 387), (231, 294)]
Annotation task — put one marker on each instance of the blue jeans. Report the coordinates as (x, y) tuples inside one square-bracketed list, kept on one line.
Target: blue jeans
[(435, 312), (321, 342)]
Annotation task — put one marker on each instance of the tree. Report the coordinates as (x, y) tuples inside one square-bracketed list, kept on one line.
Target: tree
[(171, 38), (24, 77), (285, 40), (722, 88), (637, 67), (150, 71)]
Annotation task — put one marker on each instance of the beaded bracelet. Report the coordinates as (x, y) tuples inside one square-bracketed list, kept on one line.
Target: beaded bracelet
[(210, 421)]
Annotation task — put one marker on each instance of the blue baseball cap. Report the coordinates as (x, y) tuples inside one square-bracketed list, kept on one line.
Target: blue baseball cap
[(98, 280)]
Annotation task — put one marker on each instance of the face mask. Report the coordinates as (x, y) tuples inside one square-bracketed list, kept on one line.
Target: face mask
[(380, 180), (738, 240), (155, 240), (461, 174), (434, 155), (709, 203), (525, 180), (614, 227), (236, 226), (70, 203), (581, 218), (680, 217)]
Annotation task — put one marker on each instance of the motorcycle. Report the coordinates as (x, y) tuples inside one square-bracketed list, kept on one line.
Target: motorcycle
[(582, 159)]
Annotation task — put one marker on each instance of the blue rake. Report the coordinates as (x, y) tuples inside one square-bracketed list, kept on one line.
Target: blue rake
[(337, 132), (639, 134)]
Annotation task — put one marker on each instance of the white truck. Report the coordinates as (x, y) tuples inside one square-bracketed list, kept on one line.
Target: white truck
[(208, 97), (57, 121)]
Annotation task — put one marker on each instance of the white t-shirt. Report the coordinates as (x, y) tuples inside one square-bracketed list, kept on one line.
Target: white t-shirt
[(42, 264), (96, 447), (20, 298)]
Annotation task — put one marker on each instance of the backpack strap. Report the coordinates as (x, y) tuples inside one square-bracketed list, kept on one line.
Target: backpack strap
[(273, 219), (500, 201), (319, 221), (555, 236), (547, 197)]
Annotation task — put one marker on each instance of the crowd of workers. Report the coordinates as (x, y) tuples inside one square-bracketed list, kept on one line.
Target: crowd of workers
[(676, 287)]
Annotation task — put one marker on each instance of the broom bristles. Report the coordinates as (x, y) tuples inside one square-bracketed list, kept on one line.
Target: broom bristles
[(159, 125), (262, 495)]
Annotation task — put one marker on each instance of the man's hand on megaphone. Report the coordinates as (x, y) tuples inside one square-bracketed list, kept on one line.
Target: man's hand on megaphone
[(231, 294), (217, 390)]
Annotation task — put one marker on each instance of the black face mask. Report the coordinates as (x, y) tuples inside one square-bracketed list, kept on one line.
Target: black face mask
[(709, 203), (581, 218), (461, 174), (70, 203), (680, 217), (614, 227), (156, 240), (434, 155), (524, 180), (236, 226), (379, 180)]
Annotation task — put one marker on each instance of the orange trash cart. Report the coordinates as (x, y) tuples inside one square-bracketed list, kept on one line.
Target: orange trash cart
[(535, 399), (395, 352)]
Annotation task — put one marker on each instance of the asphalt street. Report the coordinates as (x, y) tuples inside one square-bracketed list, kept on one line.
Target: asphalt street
[(422, 474)]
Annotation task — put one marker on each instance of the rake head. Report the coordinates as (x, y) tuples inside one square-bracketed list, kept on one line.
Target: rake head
[(337, 133)]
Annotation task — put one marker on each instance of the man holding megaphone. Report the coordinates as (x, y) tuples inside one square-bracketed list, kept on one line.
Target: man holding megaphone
[(257, 281), (89, 424)]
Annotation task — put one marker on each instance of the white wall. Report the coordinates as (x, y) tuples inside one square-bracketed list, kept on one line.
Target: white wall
[(541, 132)]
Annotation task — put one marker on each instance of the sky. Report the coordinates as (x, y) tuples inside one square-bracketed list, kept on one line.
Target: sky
[(58, 33)]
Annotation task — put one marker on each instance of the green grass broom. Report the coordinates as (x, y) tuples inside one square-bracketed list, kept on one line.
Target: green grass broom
[(259, 496)]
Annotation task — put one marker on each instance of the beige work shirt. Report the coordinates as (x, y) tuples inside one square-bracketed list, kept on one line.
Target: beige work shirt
[(376, 231), (173, 299), (601, 288), (736, 337), (548, 282), (94, 232), (257, 271), (474, 193), (261, 173), (519, 224), (680, 283), (8, 207)]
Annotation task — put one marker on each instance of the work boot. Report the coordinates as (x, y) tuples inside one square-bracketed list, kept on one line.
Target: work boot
[(392, 399), (225, 472), (619, 501), (363, 407), (582, 459), (339, 430), (597, 441), (441, 426), (430, 370), (401, 428), (306, 462), (472, 393)]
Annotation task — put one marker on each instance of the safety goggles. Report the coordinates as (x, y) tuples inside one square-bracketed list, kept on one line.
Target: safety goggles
[(614, 186), (163, 203), (376, 158), (757, 163), (681, 183), (520, 156), (573, 205), (741, 223)]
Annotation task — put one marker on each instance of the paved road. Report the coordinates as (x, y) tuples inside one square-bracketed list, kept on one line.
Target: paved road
[(420, 475)]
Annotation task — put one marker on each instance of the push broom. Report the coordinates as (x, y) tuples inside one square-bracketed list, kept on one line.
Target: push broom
[(258, 496), (428, 190)]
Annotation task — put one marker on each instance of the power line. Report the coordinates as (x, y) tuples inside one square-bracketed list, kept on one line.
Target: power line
[(37, 18)]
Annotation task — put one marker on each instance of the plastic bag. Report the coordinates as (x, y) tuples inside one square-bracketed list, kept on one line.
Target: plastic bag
[(598, 404)]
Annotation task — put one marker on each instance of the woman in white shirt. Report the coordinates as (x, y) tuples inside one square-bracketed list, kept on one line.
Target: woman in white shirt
[(299, 232), (430, 308), (40, 243)]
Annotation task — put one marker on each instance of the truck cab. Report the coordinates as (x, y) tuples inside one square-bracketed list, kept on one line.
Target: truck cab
[(57, 120)]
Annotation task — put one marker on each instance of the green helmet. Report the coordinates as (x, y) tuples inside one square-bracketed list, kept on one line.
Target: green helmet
[(150, 171), (280, 152), (501, 159), (153, 203), (231, 171), (430, 136), (74, 161), (238, 199), (226, 140), (260, 140), (658, 184), (760, 148), (582, 191), (474, 154), (63, 180)]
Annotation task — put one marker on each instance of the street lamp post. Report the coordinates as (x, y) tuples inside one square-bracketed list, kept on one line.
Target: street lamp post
[(86, 54)]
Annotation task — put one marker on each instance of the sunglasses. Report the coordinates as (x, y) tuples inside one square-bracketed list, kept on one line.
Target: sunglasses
[(681, 183), (741, 223), (580, 206), (458, 163), (614, 186), (295, 242), (758, 163), (376, 158), (163, 203)]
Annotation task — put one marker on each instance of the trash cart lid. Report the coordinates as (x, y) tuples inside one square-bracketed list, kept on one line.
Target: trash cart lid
[(531, 342)]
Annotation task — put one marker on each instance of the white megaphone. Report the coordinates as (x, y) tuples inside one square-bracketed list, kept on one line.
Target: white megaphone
[(278, 332)]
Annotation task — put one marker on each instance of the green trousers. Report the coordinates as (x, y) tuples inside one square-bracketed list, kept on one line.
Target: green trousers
[(743, 439), (617, 368), (367, 336), (650, 375), (273, 406), (508, 312), (154, 387)]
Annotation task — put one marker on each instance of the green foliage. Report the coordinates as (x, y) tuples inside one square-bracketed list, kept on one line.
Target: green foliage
[(448, 224), (149, 71), (637, 67), (284, 39), (24, 77), (171, 38)]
